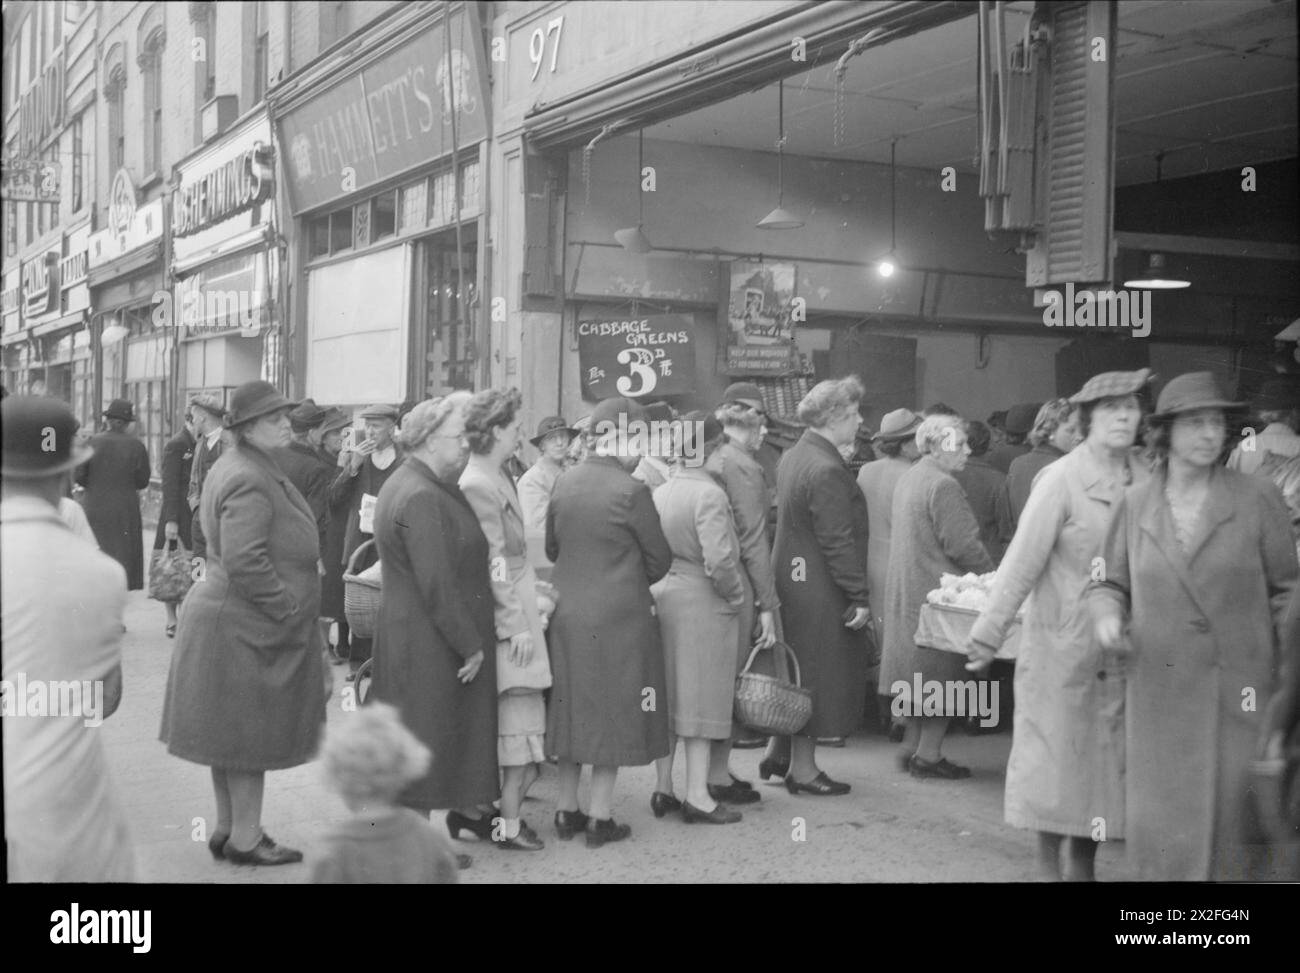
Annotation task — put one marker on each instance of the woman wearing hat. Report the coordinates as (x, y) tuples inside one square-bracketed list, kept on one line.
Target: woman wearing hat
[(1066, 770), (1055, 433), (244, 691), (896, 444), (113, 478), (538, 483), (1199, 562)]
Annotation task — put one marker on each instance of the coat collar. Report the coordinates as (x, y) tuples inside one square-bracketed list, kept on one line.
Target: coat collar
[(1156, 520), (267, 464), (1094, 478), (500, 483), (820, 442), (15, 510), (424, 470)]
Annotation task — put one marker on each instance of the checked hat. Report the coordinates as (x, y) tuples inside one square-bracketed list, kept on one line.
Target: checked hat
[(1109, 384)]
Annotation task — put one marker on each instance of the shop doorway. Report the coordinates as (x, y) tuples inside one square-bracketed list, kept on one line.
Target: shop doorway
[(446, 301)]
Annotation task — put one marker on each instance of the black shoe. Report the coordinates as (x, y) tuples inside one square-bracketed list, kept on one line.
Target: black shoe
[(939, 768), (830, 741), (217, 843), (749, 743), (463, 862), (526, 840), (481, 828), (896, 733), (600, 832), (719, 815), (771, 767), (265, 852), (821, 786), (733, 794), (569, 823), (905, 761), (744, 785), (662, 803)]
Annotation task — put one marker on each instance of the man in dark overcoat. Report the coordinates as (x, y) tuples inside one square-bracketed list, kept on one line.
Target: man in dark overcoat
[(113, 478), (304, 465)]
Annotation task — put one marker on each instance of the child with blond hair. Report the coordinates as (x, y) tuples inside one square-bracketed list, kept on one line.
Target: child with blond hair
[(369, 758)]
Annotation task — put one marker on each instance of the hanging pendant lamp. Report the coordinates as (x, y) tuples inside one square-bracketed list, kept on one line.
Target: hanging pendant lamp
[(780, 218), (633, 238), (887, 265)]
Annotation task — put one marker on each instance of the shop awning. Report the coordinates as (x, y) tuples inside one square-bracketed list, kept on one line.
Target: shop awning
[(738, 62), (111, 271), (65, 323)]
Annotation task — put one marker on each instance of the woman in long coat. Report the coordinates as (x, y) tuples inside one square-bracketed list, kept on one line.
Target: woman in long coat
[(820, 561), (435, 640), (1200, 560), (113, 478), (523, 669), (1065, 775), (935, 533), (608, 706), (174, 517), (244, 694), (700, 603)]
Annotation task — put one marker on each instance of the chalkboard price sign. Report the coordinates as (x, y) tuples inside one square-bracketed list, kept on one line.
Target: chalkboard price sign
[(637, 357)]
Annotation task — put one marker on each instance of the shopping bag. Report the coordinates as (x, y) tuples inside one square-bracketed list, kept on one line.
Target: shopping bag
[(170, 573)]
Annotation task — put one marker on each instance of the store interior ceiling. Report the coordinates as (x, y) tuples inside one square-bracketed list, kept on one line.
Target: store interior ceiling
[(1207, 85)]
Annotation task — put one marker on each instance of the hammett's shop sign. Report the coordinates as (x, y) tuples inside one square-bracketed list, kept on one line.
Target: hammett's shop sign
[(637, 357), (226, 189), (391, 117)]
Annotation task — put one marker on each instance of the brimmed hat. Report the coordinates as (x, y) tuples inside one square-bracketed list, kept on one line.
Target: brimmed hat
[(1020, 418), (743, 392), (659, 412), (1186, 393), (549, 425), (40, 437), (335, 418), (120, 409), (252, 400), (1278, 395), (899, 424), (307, 415), (209, 403), (1110, 384), (610, 410), (381, 412)]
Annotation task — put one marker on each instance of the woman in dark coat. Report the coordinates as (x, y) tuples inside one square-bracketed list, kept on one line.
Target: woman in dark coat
[(244, 694), (608, 706), (820, 561), (1199, 559), (174, 518), (113, 478), (435, 640)]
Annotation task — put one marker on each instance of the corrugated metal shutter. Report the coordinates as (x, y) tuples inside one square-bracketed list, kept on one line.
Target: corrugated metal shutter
[(1076, 161)]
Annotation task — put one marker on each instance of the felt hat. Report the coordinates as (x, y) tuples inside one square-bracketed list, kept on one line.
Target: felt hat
[(334, 419), (120, 409), (612, 409), (1186, 393), (549, 425), (1020, 418), (40, 437), (899, 424), (252, 400), (307, 415), (746, 392)]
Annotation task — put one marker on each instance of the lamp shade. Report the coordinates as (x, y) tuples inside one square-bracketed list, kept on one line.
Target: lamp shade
[(779, 219), (1156, 275), (633, 239)]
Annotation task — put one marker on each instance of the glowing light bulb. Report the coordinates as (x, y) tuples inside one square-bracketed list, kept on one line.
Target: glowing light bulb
[(886, 267)]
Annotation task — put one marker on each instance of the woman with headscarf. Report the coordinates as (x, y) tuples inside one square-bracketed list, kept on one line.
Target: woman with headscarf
[(1065, 776), (244, 694), (523, 672), (113, 479), (1199, 562), (435, 638), (820, 561), (934, 533), (608, 707)]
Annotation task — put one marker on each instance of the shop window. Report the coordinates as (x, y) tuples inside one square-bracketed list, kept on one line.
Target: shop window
[(341, 229), (261, 63), (148, 399), (11, 230), (151, 66), (205, 70), (415, 205), (443, 200), (318, 237), (383, 219), (469, 185), (114, 93), (361, 226)]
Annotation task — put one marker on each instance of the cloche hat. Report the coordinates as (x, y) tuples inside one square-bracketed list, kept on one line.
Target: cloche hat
[(40, 437)]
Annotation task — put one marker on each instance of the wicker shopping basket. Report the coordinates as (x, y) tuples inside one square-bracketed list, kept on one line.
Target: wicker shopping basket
[(772, 704), (360, 598)]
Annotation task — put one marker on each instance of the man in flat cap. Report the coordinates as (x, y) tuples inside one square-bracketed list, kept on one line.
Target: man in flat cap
[(353, 494), (303, 463)]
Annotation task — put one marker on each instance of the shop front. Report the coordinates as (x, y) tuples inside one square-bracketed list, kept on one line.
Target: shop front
[(384, 173), (126, 279), (224, 316)]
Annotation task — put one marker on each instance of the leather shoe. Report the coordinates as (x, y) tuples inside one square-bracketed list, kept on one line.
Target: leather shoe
[(662, 803), (570, 823), (821, 786), (601, 832), (463, 862), (719, 815), (749, 743), (263, 853), (830, 741), (217, 843), (526, 840), (905, 760), (940, 768), (744, 785), (770, 767), (733, 794)]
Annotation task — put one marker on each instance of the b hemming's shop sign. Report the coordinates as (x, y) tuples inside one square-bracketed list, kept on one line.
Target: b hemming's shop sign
[(637, 357)]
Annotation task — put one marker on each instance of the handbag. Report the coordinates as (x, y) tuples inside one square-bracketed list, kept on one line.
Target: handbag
[(170, 574), (773, 704)]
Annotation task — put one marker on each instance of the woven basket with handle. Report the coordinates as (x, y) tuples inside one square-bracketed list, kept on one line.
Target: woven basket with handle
[(772, 704), (361, 597)]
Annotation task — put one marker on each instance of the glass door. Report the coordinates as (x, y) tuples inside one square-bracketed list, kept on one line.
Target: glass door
[(447, 314)]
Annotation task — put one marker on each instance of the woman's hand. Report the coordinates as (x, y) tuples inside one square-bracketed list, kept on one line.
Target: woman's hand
[(766, 630), (859, 619), (521, 649), (980, 655), (171, 530), (470, 669), (1110, 632)]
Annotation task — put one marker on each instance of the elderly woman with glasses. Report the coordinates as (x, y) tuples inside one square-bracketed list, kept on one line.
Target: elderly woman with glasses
[(934, 533), (1199, 562), (820, 562), (435, 639)]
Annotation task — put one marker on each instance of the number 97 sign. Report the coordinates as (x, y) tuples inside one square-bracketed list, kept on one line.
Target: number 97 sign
[(637, 358)]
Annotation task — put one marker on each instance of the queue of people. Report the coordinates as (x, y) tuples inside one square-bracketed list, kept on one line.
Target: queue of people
[(1158, 585)]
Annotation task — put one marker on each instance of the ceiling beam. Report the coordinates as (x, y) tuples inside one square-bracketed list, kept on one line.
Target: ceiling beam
[(1206, 246)]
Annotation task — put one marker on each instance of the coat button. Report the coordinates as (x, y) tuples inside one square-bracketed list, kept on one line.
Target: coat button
[(1201, 625), (1102, 676)]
